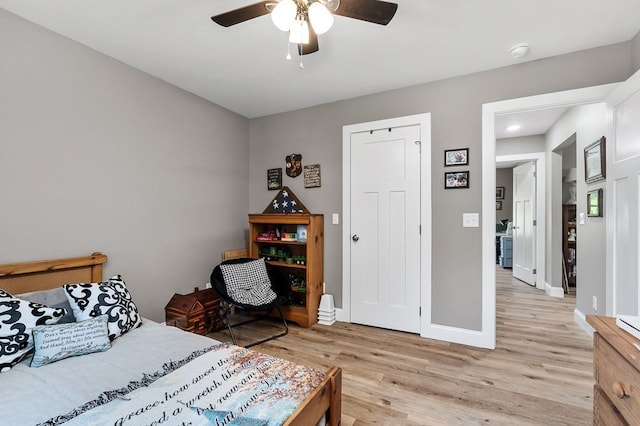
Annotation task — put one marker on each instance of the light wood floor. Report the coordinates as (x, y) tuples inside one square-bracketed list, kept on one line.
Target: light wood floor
[(539, 374)]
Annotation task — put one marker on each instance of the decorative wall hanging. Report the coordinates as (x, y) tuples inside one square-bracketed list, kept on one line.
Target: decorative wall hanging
[(500, 192), (498, 205), (294, 165), (456, 157), (595, 161), (312, 176), (594, 203), (285, 202), (274, 178), (456, 180)]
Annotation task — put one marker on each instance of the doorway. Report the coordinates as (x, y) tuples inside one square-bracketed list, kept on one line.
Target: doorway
[(351, 242), (490, 111)]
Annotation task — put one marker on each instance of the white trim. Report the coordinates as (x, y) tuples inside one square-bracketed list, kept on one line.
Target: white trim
[(580, 319), (541, 179), (553, 291), (424, 121), (489, 111)]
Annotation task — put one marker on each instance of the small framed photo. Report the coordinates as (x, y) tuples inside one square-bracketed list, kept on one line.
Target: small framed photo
[(456, 157), (301, 233), (274, 179), (499, 192), (594, 203), (499, 205), (595, 161), (456, 180)]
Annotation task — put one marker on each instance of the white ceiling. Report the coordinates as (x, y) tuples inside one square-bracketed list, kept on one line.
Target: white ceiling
[(243, 68), (536, 122)]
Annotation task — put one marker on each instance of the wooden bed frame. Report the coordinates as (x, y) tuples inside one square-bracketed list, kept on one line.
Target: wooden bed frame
[(26, 277)]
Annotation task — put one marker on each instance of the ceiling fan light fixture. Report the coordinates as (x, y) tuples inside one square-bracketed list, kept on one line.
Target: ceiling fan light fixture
[(299, 32), (320, 17), (284, 14)]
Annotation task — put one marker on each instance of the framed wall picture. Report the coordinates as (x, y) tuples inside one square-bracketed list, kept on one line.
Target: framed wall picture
[(594, 203), (456, 157), (498, 204), (312, 176), (595, 161), (456, 180), (274, 179), (499, 192)]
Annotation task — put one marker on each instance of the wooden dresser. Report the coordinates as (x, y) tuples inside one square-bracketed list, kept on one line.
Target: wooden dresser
[(616, 361)]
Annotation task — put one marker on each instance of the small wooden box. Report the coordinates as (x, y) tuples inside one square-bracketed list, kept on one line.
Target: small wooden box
[(196, 312)]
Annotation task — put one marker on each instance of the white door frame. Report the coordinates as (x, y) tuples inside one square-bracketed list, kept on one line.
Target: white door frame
[(567, 98), (541, 176), (424, 121)]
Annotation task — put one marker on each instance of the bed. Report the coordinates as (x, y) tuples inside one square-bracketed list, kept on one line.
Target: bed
[(152, 374)]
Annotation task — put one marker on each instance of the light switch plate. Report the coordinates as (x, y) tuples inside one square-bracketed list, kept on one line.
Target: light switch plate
[(581, 219), (470, 220), (335, 219)]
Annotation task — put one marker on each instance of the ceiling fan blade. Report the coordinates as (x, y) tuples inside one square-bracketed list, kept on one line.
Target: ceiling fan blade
[(376, 11), (312, 46), (242, 14)]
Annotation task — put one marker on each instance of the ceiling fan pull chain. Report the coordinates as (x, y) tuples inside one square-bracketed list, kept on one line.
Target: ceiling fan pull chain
[(301, 65), (288, 51)]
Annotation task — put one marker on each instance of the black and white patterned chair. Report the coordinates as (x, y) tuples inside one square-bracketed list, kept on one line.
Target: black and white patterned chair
[(253, 286)]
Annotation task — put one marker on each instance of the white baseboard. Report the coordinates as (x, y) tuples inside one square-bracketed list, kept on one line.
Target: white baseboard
[(342, 316), (553, 291), (580, 319)]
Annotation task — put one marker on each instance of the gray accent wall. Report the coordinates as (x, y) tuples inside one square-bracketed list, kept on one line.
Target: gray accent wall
[(635, 52), (455, 105), (581, 125), (98, 156)]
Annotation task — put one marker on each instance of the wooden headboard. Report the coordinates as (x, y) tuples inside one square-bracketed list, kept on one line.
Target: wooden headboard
[(24, 277)]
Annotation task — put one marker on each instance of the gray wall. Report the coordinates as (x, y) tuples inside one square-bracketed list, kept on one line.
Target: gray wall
[(504, 178), (456, 108), (581, 125), (97, 156), (635, 52)]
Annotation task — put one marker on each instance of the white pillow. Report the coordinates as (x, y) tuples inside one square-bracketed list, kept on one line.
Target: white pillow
[(109, 298), (55, 342), (17, 318)]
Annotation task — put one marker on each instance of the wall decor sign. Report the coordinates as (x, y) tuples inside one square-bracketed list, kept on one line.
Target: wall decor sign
[(456, 157), (312, 176), (294, 165), (274, 178), (456, 180), (595, 161), (500, 192), (594, 203)]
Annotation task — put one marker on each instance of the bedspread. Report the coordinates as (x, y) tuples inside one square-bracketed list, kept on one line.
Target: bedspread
[(228, 385)]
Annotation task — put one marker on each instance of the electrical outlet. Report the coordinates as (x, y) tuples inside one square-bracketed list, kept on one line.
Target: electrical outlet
[(595, 303), (207, 285)]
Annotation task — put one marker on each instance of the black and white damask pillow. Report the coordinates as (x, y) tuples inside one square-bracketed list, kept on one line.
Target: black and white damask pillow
[(248, 283), (109, 298), (17, 318)]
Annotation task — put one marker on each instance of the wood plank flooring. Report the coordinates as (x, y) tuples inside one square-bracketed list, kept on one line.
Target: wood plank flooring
[(539, 374)]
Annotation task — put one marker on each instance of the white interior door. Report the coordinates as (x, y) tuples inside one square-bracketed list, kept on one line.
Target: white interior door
[(621, 208), (524, 235), (385, 228)]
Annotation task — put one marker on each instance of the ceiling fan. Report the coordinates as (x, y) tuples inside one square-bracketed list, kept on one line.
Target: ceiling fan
[(295, 16)]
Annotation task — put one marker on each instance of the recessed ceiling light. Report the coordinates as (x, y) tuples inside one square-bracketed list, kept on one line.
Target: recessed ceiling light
[(520, 50), (513, 127)]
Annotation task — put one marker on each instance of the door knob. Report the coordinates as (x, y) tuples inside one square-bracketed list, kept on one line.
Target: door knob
[(355, 238)]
